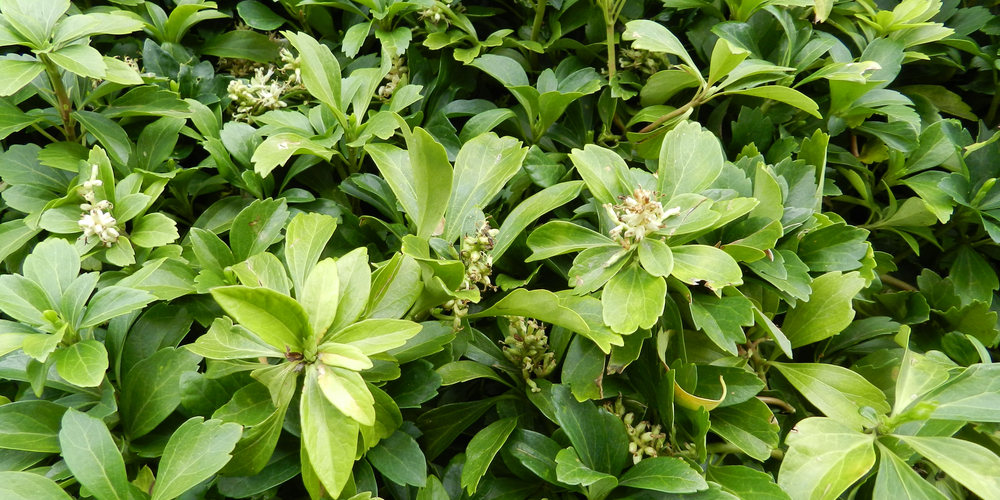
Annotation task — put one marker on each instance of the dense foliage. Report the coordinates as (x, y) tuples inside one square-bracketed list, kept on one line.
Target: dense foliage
[(498, 250)]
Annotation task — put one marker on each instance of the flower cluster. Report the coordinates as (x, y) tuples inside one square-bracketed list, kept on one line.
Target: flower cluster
[(292, 65), (642, 443), (640, 60), (475, 254), (435, 14), (638, 216), (96, 219), (396, 75), (527, 346), (260, 95)]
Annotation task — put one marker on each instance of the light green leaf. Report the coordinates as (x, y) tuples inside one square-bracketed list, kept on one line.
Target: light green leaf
[(17, 74), (483, 447), (786, 95), (633, 299), (355, 281), (560, 237), (838, 392), (80, 59), (828, 310), (305, 239), (257, 227), (530, 210), (154, 230), (83, 363), (897, 479), (225, 341), (706, 265), (506, 70), (465, 370), (482, 168), (329, 437), (432, 180), (605, 173), (320, 69), (973, 396), (319, 296), (976, 467), (690, 160), (824, 458), (374, 336), (747, 483), (725, 58), (749, 426), (194, 453), (30, 486), (278, 148), (120, 72), (346, 390), (664, 474), (53, 264), (539, 304), (278, 319), (654, 37), (656, 257), (112, 302), (92, 456), (31, 425)]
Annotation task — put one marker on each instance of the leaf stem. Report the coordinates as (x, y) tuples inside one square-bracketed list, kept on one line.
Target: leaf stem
[(898, 283), (536, 28), (673, 114), (777, 402)]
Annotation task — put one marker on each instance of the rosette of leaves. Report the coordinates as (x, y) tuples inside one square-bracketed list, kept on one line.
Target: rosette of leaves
[(57, 315), (322, 336)]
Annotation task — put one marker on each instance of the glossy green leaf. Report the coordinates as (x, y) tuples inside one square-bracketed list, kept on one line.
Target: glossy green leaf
[(663, 474), (194, 453), (974, 466), (824, 458), (482, 449), (690, 160), (91, 454), (30, 486), (329, 437), (633, 299), (838, 392), (277, 319)]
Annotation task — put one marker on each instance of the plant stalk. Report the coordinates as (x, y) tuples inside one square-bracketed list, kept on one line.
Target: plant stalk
[(65, 105)]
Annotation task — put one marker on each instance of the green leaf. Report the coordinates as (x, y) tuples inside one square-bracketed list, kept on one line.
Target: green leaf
[(483, 447), (506, 70), (30, 486), (897, 479), (824, 458), (355, 281), (723, 319), (329, 437), (482, 168), (973, 396), (373, 336), (443, 424), (83, 363), (319, 296), (110, 134), (114, 301), (278, 319), (146, 401), (560, 237), (633, 299), (663, 474), (14, 234), (400, 459), (654, 37), (347, 391), (749, 426), (305, 239), (17, 74), (194, 453), (606, 174), (432, 180), (53, 264), (259, 16), (320, 69), (598, 436), (706, 265), (725, 58), (465, 370), (656, 257), (838, 392), (583, 368), (827, 312), (539, 304), (976, 467), (690, 160), (535, 451), (225, 341), (243, 44), (786, 95), (571, 470), (746, 483), (973, 276), (279, 148), (257, 227), (31, 425), (82, 60), (154, 230), (22, 299), (92, 456), (530, 210)]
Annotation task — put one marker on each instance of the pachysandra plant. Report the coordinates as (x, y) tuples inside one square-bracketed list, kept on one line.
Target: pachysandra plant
[(429, 249)]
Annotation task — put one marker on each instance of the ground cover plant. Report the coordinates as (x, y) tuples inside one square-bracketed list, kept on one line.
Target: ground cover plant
[(499, 250)]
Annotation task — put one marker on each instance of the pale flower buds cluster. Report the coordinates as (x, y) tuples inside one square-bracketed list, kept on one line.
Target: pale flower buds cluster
[(638, 216), (396, 75), (639, 60), (475, 255), (527, 346), (96, 219), (434, 14), (292, 65), (258, 96), (644, 440)]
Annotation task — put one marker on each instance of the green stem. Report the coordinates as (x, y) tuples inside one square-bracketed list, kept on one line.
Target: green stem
[(65, 105), (536, 28), (42, 131), (610, 25), (696, 100)]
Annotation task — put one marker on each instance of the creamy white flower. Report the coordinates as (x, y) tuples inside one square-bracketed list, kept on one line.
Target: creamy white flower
[(638, 216)]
